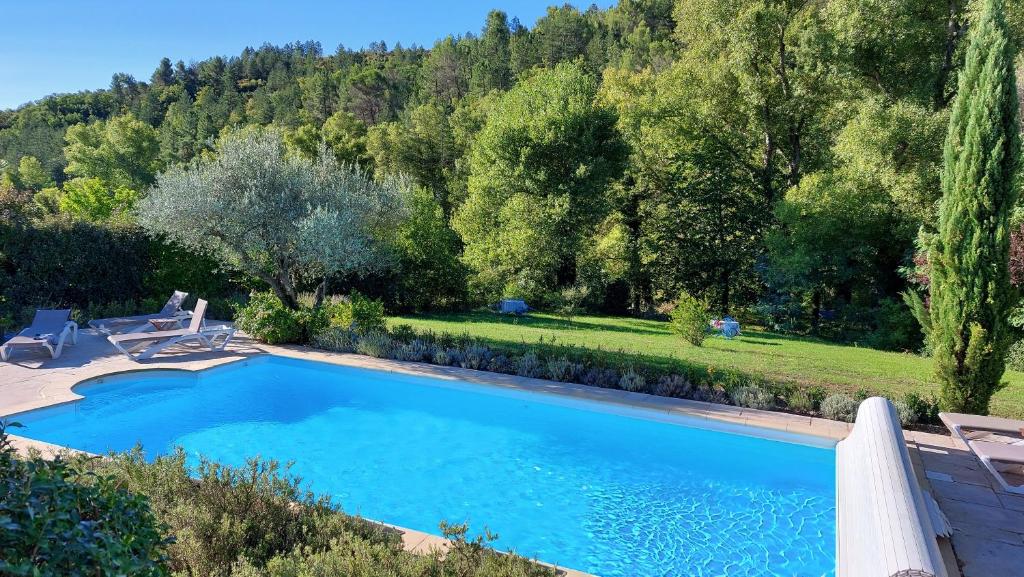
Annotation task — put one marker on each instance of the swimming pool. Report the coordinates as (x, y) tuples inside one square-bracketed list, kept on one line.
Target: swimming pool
[(586, 485)]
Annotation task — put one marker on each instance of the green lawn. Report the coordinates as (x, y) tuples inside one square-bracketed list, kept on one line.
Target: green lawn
[(774, 356)]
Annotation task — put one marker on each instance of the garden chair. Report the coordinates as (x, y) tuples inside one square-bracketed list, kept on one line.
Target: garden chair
[(143, 345), (997, 442), (50, 329), (139, 323)]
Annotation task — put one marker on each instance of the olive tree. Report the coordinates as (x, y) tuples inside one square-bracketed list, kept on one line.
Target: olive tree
[(285, 219)]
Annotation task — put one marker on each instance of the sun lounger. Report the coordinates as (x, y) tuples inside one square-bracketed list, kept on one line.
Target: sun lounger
[(50, 330), (140, 323), (143, 345), (993, 440)]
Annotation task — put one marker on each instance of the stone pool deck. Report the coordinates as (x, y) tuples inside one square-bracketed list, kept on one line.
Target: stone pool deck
[(988, 523)]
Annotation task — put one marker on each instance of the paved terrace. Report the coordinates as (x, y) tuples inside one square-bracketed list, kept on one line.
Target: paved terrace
[(988, 523)]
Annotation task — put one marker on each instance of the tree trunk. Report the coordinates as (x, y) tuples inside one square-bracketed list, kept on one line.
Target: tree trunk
[(955, 30), (815, 310), (725, 290)]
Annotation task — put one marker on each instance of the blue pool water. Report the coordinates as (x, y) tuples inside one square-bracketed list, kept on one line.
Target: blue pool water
[(568, 482)]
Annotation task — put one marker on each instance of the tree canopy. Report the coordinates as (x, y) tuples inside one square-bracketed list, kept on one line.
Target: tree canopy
[(274, 215)]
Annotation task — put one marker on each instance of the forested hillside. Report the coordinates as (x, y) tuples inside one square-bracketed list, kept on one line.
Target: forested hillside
[(780, 158)]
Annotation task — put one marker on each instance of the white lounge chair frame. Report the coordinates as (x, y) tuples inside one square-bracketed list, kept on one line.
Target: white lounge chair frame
[(968, 427), (140, 323), (143, 345), (53, 343)]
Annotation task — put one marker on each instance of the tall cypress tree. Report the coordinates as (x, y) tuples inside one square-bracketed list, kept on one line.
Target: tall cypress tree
[(970, 280)]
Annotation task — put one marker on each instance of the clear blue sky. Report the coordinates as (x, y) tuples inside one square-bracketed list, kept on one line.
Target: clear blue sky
[(52, 46)]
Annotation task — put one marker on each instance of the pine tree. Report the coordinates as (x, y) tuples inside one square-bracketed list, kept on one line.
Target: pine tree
[(970, 282)]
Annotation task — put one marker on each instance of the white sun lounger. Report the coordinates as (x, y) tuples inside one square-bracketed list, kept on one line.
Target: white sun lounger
[(50, 329), (140, 323), (973, 428), (143, 345)]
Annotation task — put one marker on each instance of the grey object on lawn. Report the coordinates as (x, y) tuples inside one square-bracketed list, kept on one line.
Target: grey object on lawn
[(139, 323), (50, 329), (512, 307), (972, 430), (730, 327), (143, 345)]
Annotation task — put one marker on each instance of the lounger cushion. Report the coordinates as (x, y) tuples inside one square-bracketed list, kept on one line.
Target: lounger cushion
[(1002, 452), (48, 322), (981, 423)]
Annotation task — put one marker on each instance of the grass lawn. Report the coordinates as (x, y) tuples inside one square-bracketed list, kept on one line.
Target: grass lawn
[(771, 355)]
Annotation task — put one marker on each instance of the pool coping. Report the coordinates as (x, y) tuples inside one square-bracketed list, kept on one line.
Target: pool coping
[(58, 386)]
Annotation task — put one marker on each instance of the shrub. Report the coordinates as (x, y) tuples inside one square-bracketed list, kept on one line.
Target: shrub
[(562, 369), (441, 356), (711, 394), (375, 344), (475, 357), (221, 515), (405, 333), (600, 377), (753, 397), (690, 318), (414, 351), (632, 381), (501, 364), (59, 520), (337, 339), (839, 407), (265, 319), (367, 313), (926, 410), (673, 386), (1015, 356), (451, 356), (529, 366), (800, 401), (904, 412)]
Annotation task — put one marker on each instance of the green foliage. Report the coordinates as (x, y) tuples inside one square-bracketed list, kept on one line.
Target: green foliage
[(971, 294), (61, 520), (317, 218), (431, 276), (91, 199), (222, 516), (360, 313), (632, 381), (839, 407), (57, 261), (336, 338), (537, 171), (32, 175), (569, 300), (122, 152), (1015, 355), (753, 397), (690, 318), (375, 344), (896, 328), (266, 319)]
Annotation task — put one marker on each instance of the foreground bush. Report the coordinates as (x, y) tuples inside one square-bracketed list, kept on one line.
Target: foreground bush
[(265, 319), (56, 520), (257, 521)]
